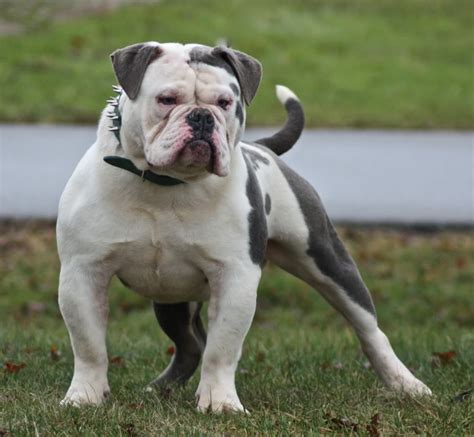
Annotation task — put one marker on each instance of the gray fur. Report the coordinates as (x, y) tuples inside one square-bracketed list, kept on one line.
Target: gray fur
[(235, 89), (247, 70), (130, 64), (268, 204), (182, 323), (205, 55), (255, 158), (324, 246), (258, 232), (288, 135), (239, 113)]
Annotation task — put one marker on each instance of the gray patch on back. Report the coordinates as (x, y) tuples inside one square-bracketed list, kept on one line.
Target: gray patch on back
[(258, 233), (324, 246), (268, 204), (255, 158)]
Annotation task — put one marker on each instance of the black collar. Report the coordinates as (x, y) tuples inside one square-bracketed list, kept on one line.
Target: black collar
[(124, 163)]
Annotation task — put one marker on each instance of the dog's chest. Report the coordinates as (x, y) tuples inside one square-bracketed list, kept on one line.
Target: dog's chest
[(160, 263)]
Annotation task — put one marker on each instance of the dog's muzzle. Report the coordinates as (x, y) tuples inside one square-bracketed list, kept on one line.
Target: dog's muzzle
[(197, 153), (200, 150)]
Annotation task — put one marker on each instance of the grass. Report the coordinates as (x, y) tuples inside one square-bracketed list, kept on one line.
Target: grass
[(370, 63), (301, 370)]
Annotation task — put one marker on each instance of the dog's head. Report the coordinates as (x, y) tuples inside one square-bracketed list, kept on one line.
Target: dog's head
[(185, 105)]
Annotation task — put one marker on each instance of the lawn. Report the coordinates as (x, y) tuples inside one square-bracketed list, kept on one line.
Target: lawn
[(370, 63), (301, 370)]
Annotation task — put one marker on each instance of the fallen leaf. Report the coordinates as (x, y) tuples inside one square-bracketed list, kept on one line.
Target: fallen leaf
[(415, 430), (171, 350), (117, 361), (373, 426), (125, 307), (260, 356), (442, 358), (342, 422), (463, 396), (128, 428), (13, 367), (54, 353)]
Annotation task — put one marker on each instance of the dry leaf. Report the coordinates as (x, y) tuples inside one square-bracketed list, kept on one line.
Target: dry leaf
[(13, 367), (54, 353), (443, 358), (260, 356), (341, 422), (128, 428), (463, 396), (373, 426), (117, 361)]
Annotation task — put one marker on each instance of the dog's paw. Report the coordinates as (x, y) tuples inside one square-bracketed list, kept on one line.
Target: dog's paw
[(411, 386), (80, 394), (218, 399)]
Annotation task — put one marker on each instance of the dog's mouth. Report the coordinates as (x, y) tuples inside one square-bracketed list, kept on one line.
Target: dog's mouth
[(198, 154)]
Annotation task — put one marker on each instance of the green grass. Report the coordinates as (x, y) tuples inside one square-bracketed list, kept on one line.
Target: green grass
[(366, 63), (301, 371)]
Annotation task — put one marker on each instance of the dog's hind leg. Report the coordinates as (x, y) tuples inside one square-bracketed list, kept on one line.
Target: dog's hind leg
[(310, 249), (182, 323)]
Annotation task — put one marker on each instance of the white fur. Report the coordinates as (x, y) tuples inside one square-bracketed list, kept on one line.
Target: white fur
[(184, 243), (283, 93)]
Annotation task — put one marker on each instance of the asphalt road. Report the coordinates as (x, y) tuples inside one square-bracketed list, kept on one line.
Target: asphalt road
[(362, 176)]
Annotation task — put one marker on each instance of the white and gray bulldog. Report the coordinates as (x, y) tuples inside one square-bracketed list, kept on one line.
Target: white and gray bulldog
[(170, 200)]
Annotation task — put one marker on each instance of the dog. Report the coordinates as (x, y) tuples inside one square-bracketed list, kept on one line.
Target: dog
[(171, 201)]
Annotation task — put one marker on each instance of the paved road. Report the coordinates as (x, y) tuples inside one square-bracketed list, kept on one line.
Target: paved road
[(362, 176)]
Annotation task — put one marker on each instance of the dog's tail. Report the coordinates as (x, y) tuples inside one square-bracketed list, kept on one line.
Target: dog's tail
[(286, 137)]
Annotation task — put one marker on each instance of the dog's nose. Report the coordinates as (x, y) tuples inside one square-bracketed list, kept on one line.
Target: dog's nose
[(201, 119)]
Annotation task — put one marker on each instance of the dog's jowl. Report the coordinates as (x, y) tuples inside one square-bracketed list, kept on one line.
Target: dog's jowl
[(171, 201)]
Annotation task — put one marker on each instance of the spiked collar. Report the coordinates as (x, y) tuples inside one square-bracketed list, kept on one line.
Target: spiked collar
[(127, 164)]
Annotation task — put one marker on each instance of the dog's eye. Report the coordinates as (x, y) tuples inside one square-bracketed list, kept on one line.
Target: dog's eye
[(224, 103), (168, 101)]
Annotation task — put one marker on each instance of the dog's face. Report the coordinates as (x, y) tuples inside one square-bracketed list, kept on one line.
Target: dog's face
[(186, 105)]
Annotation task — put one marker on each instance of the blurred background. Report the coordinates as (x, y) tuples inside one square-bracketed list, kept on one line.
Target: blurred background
[(379, 80), (388, 91)]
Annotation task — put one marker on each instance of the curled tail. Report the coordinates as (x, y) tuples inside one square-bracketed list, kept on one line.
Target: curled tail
[(283, 140)]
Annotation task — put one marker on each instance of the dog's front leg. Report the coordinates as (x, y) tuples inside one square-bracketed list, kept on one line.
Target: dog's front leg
[(83, 304), (231, 310)]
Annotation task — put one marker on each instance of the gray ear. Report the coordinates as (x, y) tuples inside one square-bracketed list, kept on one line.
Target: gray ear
[(247, 70), (130, 64)]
